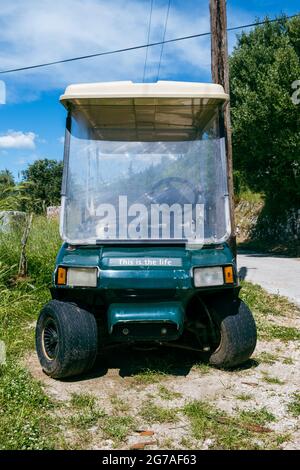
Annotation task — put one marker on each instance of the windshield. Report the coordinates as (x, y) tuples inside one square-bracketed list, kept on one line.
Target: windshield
[(152, 174)]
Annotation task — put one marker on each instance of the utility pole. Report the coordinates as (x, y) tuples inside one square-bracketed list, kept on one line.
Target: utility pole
[(220, 75)]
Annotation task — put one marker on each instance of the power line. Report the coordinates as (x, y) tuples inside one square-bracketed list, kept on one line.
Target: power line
[(148, 39), (133, 48), (163, 40)]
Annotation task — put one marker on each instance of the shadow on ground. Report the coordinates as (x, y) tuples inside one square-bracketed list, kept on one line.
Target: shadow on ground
[(132, 361)]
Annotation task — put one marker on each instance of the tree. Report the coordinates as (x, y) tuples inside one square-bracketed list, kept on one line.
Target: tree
[(6, 179), (43, 179), (7, 183), (11, 195), (266, 123)]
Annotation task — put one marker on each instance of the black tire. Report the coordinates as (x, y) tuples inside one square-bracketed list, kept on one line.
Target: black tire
[(238, 334), (66, 339)]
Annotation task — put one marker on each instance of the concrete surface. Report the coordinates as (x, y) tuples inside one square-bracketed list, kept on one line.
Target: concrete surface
[(278, 275)]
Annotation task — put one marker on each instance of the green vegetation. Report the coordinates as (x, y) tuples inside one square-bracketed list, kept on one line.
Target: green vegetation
[(6, 179), (88, 415), (43, 244), (43, 178), (86, 418), (30, 420), (272, 380), (244, 397), (266, 123), (202, 367), (284, 333), (119, 406), (153, 369), (166, 394), (265, 307), (267, 358), (25, 420), (226, 432), (148, 376), (83, 401), (153, 413), (12, 197), (294, 405), (117, 427), (288, 361), (260, 416), (40, 187)]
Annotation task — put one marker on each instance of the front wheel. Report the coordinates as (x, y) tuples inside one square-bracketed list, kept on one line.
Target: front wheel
[(237, 332), (66, 339)]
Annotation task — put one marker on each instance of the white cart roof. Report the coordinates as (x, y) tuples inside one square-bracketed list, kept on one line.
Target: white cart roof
[(144, 111), (88, 92)]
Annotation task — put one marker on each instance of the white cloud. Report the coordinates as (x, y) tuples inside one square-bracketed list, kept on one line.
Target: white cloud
[(32, 32), (18, 140)]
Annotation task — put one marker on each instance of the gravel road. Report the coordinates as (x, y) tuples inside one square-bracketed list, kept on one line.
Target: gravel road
[(278, 275)]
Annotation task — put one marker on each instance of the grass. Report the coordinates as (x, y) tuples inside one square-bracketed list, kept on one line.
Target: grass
[(83, 401), (117, 427), (85, 411), (167, 444), (114, 427), (88, 415), (165, 394), (267, 358), (29, 419), (26, 418), (148, 376), (119, 405), (228, 432), (187, 443), (284, 333), (288, 361), (249, 196), (205, 424), (260, 416), (294, 405), (273, 380), (153, 413), (244, 397), (265, 308), (84, 420), (202, 367)]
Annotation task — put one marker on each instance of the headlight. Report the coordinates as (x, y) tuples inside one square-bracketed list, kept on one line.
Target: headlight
[(82, 277), (208, 277), (77, 277)]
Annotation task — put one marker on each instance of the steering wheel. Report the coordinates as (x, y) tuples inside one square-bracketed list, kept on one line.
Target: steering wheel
[(176, 179)]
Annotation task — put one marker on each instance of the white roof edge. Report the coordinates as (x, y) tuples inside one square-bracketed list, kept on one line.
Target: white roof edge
[(160, 89)]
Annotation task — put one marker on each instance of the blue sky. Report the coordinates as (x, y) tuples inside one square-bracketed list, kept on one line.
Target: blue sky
[(32, 120)]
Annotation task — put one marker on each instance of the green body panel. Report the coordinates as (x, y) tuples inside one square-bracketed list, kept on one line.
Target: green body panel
[(141, 281), (157, 314)]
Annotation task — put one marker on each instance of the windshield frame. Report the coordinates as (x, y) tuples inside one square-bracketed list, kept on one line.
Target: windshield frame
[(145, 241)]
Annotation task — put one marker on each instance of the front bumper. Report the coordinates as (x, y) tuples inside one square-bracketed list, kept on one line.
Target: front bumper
[(163, 321)]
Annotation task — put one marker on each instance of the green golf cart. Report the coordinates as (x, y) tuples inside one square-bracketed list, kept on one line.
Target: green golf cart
[(148, 256)]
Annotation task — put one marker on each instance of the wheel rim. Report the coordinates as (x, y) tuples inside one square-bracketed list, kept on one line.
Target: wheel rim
[(50, 340)]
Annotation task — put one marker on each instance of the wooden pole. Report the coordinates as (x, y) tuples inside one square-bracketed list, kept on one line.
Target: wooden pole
[(220, 75)]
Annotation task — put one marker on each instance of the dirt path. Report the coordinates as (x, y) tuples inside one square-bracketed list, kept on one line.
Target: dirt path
[(152, 387), (278, 275)]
